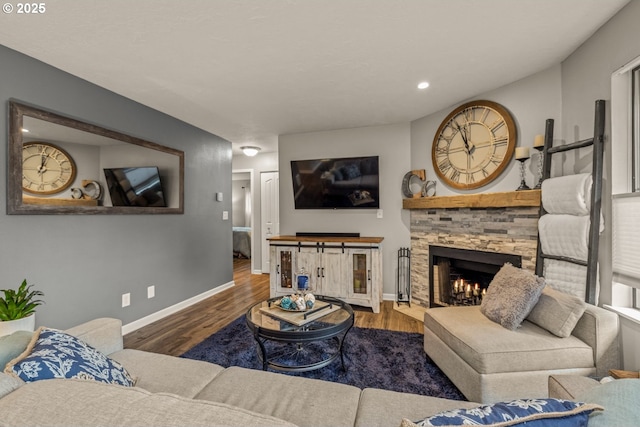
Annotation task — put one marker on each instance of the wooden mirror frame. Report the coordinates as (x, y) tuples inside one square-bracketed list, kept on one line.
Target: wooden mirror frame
[(15, 205)]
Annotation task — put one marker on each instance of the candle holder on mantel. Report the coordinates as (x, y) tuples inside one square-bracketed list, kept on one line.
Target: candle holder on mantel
[(538, 144), (522, 155)]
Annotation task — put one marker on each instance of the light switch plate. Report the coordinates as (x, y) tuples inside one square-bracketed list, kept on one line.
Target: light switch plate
[(225, 215)]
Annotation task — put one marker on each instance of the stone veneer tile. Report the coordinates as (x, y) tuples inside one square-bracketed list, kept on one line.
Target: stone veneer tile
[(512, 230)]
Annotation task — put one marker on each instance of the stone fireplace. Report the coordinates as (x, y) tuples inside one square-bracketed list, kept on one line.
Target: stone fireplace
[(493, 223)]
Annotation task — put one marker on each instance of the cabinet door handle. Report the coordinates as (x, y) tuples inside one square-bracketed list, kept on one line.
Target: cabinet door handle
[(369, 275), (322, 271), (277, 269), (318, 272)]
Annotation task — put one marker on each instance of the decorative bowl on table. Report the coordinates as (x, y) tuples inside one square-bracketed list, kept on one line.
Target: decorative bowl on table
[(296, 302)]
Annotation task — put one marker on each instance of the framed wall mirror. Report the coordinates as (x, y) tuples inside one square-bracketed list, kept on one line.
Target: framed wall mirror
[(60, 165)]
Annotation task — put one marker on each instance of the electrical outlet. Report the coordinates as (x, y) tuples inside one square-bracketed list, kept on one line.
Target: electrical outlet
[(225, 215), (126, 299), (151, 291)]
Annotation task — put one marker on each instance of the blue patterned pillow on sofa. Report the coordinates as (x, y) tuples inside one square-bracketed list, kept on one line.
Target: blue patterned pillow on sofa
[(533, 412), (350, 171), (55, 354)]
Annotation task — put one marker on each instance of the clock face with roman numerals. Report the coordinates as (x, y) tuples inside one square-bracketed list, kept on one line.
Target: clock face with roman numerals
[(46, 169), (474, 144)]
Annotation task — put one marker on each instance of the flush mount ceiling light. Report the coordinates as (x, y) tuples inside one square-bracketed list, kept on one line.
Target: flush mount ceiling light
[(423, 85), (250, 151)]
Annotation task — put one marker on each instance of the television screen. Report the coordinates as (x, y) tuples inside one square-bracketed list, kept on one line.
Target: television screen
[(341, 183), (138, 186)]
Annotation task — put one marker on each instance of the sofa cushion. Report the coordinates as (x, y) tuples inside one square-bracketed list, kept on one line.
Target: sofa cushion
[(620, 399), (530, 412), (511, 295), (383, 408), (557, 312), (161, 373), (55, 354), (8, 383), (569, 386), (89, 403), (489, 348), (104, 334), (12, 346), (302, 401)]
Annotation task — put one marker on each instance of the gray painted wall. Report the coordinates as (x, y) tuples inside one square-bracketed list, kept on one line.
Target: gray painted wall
[(531, 101), (391, 144), (84, 263)]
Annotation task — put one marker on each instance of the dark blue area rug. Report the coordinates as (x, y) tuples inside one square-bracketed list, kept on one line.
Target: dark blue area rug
[(373, 358)]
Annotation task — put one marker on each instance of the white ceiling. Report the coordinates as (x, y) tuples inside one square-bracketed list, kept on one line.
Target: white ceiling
[(249, 70)]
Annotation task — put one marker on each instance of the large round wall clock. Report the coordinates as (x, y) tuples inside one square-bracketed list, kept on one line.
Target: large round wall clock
[(46, 168), (474, 144)]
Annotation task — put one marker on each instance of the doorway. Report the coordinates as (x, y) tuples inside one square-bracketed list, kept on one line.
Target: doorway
[(242, 214)]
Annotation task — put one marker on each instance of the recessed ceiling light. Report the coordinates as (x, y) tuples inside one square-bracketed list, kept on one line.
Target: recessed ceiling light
[(423, 85)]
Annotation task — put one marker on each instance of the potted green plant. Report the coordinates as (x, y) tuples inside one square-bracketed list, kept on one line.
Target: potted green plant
[(17, 308)]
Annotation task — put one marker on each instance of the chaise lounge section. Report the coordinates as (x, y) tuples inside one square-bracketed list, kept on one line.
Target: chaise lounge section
[(490, 363)]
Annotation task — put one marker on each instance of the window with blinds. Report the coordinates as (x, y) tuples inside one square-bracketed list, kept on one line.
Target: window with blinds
[(635, 127), (625, 185), (626, 239)]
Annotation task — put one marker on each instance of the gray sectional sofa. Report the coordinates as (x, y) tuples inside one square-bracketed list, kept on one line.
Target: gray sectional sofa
[(172, 391)]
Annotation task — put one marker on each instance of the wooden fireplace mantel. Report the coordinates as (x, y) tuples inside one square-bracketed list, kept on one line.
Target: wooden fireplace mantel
[(480, 200)]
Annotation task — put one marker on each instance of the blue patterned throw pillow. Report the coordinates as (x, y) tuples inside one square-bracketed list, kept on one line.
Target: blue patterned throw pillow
[(533, 412), (55, 354), (350, 171)]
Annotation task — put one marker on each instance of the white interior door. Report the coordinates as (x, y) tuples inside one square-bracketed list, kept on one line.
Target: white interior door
[(269, 211)]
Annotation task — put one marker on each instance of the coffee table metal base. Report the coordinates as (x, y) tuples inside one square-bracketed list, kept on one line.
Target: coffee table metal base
[(287, 346), (288, 353)]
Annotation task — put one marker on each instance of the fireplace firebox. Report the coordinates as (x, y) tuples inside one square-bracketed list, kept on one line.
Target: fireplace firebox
[(462, 276)]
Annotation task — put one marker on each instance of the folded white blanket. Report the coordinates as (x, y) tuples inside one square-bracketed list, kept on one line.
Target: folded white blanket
[(569, 194), (566, 277), (564, 235)]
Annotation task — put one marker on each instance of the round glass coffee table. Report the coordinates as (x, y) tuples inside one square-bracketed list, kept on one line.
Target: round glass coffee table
[(300, 341)]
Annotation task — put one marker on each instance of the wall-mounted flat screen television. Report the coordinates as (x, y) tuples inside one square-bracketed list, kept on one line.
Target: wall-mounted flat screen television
[(340, 183), (135, 186)]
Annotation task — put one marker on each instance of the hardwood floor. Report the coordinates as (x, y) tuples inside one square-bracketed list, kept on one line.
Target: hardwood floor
[(179, 332)]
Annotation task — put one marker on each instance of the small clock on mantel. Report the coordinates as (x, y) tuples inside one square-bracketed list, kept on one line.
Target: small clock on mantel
[(474, 144), (46, 168)]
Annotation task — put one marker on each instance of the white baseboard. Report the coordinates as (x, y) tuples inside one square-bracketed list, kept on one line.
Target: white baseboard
[(388, 297), (137, 324)]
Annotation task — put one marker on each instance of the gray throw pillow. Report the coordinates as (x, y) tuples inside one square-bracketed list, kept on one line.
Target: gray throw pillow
[(12, 346), (337, 174), (557, 312), (511, 295)]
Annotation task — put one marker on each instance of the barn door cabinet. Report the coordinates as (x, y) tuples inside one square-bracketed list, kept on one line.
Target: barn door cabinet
[(348, 268)]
